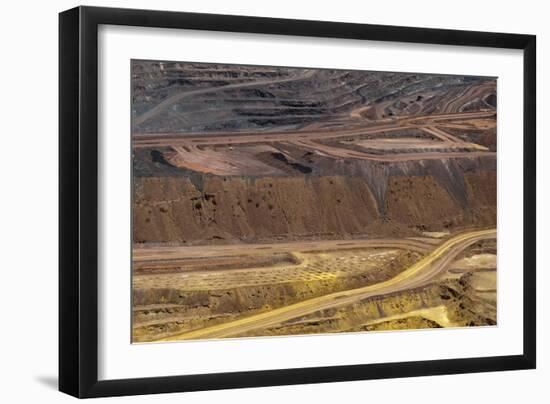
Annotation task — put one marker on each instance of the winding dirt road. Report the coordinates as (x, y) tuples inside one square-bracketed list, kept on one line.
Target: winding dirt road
[(419, 274), (163, 105), (196, 151)]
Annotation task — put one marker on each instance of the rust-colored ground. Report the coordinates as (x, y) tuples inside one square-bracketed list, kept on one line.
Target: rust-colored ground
[(275, 201)]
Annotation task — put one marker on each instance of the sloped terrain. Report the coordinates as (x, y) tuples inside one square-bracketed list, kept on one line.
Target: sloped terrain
[(273, 157)]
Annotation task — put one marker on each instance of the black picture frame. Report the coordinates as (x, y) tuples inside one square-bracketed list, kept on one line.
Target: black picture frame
[(78, 201)]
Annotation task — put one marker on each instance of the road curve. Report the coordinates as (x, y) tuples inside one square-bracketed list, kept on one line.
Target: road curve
[(163, 105), (419, 274)]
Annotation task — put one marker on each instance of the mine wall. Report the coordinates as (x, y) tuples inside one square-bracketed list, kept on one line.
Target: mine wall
[(453, 298), (397, 199), (259, 97), (167, 310)]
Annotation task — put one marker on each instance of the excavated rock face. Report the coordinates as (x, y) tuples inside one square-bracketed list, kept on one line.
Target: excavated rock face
[(226, 153), (258, 187), (173, 209), (195, 97), (173, 308)]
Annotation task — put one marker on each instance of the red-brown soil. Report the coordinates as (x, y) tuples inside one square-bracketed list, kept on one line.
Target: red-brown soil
[(257, 188)]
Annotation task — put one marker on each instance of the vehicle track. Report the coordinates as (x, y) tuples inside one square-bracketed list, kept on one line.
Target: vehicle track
[(171, 253), (177, 97), (419, 274), (213, 138)]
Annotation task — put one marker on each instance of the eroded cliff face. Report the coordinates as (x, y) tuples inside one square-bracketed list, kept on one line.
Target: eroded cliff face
[(401, 199)]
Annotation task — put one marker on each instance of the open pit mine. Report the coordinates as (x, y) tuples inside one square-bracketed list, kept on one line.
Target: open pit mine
[(278, 201)]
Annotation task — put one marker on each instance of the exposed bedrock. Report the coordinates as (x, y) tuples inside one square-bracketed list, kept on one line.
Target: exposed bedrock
[(159, 310), (445, 304), (359, 200), (449, 172), (170, 96)]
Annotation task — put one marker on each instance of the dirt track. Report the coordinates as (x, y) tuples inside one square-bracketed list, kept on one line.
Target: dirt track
[(166, 139), (179, 96), (214, 152), (150, 254), (415, 276)]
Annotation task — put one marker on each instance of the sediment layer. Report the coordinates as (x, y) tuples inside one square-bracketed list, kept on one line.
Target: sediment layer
[(234, 209)]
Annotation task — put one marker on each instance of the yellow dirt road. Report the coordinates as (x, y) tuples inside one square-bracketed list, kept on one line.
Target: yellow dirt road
[(415, 276)]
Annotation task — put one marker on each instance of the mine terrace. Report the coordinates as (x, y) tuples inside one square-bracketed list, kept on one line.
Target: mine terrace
[(276, 201)]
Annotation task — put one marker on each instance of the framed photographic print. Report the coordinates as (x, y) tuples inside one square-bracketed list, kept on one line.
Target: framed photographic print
[(251, 201)]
